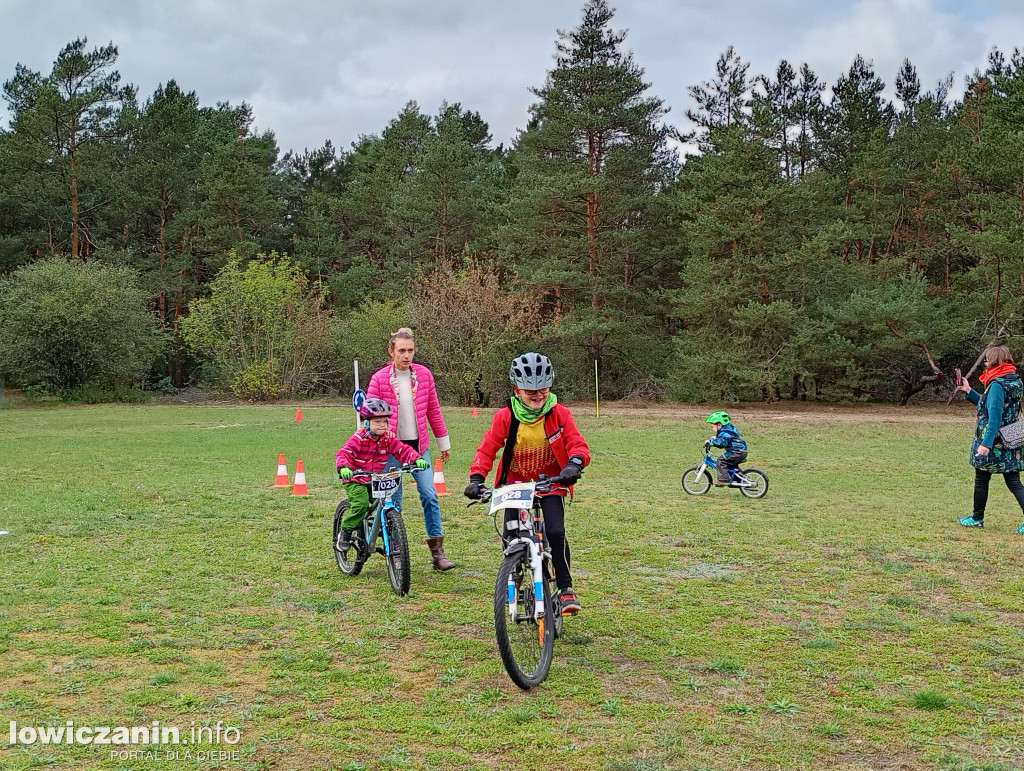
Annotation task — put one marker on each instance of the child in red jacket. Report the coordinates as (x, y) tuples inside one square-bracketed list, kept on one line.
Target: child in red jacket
[(546, 442)]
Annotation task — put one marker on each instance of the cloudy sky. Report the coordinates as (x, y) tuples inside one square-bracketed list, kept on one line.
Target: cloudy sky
[(335, 69)]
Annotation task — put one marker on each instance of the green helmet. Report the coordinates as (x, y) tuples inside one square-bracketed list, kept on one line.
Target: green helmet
[(718, 417)]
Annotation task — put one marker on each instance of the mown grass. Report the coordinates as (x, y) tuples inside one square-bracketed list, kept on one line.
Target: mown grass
[(844, 621)]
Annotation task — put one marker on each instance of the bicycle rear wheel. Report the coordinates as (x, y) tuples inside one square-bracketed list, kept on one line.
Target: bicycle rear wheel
[(350, 562), (526, 644), (759, 480), (398, 560)]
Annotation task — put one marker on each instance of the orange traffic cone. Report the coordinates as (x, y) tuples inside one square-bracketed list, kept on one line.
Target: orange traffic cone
[(474, 412), (299, 488), (298, 416), (282, 473), (439, 485)]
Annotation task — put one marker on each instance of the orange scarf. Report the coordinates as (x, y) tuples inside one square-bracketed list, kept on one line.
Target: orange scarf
[(992, 373)]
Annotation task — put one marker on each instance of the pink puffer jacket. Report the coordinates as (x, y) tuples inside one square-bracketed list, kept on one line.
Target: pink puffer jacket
[(428, 408)]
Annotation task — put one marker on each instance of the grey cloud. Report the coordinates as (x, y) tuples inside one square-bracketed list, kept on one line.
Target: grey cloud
[(334, 70)]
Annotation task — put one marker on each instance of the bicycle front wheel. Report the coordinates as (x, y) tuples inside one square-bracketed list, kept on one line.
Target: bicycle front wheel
[(696, 481), (526, 644), (398, 560), (758, 483), (349, 561)]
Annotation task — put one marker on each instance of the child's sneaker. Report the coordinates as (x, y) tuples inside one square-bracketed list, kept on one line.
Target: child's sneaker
[(972, 522), (569, 602), (1019, 530), (344, 540)]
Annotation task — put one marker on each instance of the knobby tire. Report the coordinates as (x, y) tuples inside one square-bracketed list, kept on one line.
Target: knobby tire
[(398, 560), (526, 646), (349, 562)]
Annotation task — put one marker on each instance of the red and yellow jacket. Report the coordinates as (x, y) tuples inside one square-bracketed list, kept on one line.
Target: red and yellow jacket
[(563, 438)]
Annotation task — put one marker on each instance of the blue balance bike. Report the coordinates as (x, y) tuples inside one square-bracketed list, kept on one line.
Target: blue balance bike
[(697, 480)]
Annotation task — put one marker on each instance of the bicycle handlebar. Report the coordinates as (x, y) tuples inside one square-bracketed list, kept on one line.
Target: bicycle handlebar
[(406, 467), (544, 485)]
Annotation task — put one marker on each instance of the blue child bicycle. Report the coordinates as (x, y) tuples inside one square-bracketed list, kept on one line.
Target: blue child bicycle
[(384, 521), (697, 480)]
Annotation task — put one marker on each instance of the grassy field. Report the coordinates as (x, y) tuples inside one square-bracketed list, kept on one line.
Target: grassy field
[(844, 621)]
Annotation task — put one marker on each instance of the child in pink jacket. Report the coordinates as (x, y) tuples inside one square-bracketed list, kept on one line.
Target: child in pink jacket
[(368, 450)]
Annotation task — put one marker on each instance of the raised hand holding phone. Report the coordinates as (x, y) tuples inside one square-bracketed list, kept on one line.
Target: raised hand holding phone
[(962, 384)]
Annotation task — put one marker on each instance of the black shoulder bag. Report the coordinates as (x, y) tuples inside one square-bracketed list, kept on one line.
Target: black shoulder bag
[(1012, 434)]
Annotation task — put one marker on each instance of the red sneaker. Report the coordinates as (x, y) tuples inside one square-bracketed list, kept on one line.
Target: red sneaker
[(569, 602)]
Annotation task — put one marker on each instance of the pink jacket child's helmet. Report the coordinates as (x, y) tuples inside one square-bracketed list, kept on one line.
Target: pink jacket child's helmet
[(374, 408)]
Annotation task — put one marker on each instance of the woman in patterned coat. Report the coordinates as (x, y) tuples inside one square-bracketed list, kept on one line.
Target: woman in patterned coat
[(998, 405)]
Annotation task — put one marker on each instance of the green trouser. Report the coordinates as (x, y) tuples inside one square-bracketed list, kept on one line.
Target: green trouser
[(359, 496)]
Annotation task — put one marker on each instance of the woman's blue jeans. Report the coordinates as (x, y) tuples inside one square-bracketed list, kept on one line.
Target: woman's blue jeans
[(428, 495)]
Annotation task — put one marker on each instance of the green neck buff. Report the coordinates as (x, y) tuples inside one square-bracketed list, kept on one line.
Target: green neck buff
[(525, 415)]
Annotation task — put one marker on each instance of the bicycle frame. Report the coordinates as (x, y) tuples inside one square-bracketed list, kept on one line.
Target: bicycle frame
[(526, 537), (523, 532), (734, 472), (378, 509), (377, 529)]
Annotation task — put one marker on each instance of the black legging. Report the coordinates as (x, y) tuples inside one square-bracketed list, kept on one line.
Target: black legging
[(981, 480), (553, 507)]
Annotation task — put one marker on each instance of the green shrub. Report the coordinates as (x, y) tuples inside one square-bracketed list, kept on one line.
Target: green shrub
[(65, 324), (264, 328), (363, 335), (165, 386), (93, 394)]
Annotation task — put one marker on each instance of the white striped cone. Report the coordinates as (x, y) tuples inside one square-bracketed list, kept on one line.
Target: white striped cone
[(299, 488), (282, 474), (439, 485)]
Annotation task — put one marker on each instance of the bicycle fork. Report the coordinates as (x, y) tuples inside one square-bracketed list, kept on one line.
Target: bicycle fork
[(537, 573)]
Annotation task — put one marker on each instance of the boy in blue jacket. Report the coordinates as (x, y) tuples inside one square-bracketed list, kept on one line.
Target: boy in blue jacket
[(727, 436)]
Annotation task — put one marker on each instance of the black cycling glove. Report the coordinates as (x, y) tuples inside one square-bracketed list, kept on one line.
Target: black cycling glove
[(570, 475), (473, 490)]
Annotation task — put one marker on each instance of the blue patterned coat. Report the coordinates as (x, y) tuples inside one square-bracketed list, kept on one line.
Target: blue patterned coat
[(728, 438), (1000, 405)]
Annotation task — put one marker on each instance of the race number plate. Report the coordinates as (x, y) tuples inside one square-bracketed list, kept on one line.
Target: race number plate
[(517, 496), (383, 485)]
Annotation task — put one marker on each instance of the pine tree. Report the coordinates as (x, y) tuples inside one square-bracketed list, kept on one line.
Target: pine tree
[(722, 102), (447, 201), (58, 154), (586, 172), (990, 225), (379, 166)]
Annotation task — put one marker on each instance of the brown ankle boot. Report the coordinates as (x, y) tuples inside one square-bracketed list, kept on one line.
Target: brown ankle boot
[(441, 562)]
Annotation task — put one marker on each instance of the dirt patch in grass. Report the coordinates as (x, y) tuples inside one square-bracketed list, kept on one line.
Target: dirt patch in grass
[(802, 412), (874, 761)]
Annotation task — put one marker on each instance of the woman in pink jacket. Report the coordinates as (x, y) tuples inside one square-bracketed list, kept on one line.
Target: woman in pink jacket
[(409, 389)]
